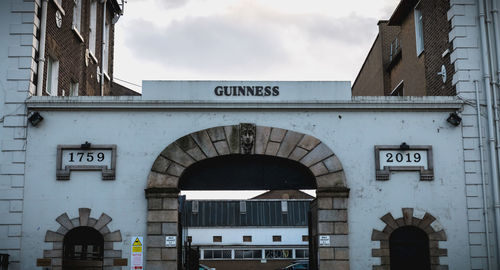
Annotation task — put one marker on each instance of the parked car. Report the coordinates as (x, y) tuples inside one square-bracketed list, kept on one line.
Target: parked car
[(302, 265), (204, 267)]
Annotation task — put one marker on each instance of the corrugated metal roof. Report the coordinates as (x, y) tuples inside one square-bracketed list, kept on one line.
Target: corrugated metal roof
[(258, 213)]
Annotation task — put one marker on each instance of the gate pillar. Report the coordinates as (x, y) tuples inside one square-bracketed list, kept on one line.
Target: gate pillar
[(162, 220)]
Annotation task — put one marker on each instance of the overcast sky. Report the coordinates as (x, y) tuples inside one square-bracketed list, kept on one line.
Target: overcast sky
[(246, 39)]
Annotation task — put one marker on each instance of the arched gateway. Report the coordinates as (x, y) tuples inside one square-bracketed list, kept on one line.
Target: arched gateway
[(168, 173)]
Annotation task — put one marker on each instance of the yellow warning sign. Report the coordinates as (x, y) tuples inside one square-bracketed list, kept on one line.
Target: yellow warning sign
[(137, 246), (137, 242)]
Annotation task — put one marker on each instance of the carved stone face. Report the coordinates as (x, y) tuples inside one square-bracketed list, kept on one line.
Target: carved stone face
[(247, 136)]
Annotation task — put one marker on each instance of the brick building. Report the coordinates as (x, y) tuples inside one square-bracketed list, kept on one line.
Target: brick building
[(78, 49), (410, 50)]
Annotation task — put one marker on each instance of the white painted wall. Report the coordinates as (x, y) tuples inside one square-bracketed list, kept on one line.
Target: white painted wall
[(260, 236), (142, 135)]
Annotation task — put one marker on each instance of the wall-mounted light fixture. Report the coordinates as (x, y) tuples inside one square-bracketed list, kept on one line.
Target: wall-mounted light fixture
[(454, 119), (35, 118)]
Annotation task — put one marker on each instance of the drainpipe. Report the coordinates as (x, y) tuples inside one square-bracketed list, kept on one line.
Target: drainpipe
[(483, 178), (41, 48), (491, 136), (103, 44)]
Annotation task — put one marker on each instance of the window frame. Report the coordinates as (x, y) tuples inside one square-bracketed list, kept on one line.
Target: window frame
[(52, 80), (419, 29), (93, 29)]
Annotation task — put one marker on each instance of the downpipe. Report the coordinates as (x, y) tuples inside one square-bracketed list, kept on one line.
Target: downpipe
[(486, 59), (41, 49), (483, 178), (103, 44)]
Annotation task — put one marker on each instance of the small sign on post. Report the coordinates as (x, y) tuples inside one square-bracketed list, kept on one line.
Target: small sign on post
[(324, 240), (136, 253), (171, 241)]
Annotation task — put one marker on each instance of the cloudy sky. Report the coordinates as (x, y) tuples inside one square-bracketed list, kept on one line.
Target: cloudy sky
[(246, 39)]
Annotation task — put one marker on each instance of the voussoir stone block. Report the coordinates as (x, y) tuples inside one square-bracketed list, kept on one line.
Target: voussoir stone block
[(203, 140), (308, 142), (84, 214), (378, 235), (115, 236), (161, 165), (233, 138), (297, 154), (175, 169), (102, 221), (176, 154), (222, 148), (389, 220), (65, 221), (319, 153), (216, 134), (272, 148), (318, 169), (277, 134), (51, 236), (261, 139), (288, 144), (407, 215), (333, 164)]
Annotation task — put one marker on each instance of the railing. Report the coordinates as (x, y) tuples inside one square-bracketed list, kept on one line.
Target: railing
[(4, 261)]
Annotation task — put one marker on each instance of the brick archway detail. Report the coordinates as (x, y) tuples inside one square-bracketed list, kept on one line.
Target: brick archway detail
[(248, 139), (54, 257), (421, 220)]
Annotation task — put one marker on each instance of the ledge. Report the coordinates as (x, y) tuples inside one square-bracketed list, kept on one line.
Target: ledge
[(136, 103), (77, 33)]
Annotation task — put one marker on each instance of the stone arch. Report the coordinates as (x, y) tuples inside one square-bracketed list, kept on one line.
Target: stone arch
[(54, 257), (422, 220), (330, 207), (225, 140)]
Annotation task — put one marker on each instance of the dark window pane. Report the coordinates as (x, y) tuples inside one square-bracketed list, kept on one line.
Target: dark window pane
[(238, 254), (226, 254)]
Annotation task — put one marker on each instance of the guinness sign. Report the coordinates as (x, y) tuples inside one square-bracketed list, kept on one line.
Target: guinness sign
[(259, 91)]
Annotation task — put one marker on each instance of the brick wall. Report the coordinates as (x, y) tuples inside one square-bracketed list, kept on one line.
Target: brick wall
[(370, 80), (65, 45), (436, 28)]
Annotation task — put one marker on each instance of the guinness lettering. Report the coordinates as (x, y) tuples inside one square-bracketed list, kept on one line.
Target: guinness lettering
[(259, 91)]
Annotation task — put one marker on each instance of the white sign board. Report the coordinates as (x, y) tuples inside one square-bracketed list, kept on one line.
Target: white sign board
[(324, 240), (403, 158), (136, 252), (171, 241)]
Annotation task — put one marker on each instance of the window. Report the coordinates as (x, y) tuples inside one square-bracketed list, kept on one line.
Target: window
[(217, 253), (189, 239), (194, 207), (278, 253), (93, 28), (82, 246), (302, 253), (106, 49), (243, 207), (276, 238), (409, 249), (305, 238), (248, 254), (284, 207), (52, 76), (419, 30), (73, 89), (217, 238), (77, 15), (247, 238)]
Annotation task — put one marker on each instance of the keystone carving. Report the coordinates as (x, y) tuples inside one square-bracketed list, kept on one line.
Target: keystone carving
[(247, 138)]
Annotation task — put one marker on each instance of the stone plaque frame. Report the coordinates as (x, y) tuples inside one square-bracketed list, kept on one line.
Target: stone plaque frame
[(384, 173), (107, 173)]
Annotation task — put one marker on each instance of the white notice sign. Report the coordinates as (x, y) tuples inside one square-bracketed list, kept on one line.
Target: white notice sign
[(171, 241), (324, 240), (136, 252)]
